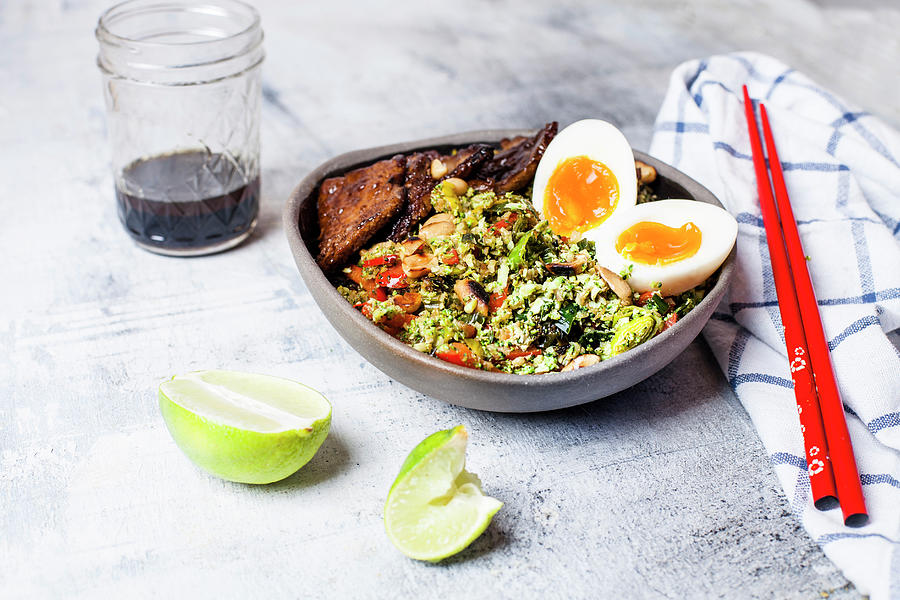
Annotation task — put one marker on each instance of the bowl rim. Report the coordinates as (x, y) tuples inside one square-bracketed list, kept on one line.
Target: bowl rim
[(350, 160)]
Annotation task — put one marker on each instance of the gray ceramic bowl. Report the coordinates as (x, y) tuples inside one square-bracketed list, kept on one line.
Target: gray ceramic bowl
[(472, 388)]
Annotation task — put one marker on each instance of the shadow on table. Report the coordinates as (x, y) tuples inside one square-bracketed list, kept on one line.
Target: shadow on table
[(689, 386), (266, 225), (492, 540), (672, 411), (332, 458)]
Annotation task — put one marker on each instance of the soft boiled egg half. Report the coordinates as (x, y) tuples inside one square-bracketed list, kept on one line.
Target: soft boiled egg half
[(586, 185), (585, 177), (668, 245)]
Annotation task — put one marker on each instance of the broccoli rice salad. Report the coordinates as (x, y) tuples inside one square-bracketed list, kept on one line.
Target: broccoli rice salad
[(484, 283)]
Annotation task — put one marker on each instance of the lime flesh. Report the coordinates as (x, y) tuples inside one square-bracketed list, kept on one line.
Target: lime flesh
[(436, 508), (244, 427)]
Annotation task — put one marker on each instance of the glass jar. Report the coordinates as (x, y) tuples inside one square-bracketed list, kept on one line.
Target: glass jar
[(183, 89)]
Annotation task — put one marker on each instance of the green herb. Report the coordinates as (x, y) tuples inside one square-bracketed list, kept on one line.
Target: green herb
[(567, 317), (518, 251), (593, 338), (685, 307), (548, 255), (659, 304)]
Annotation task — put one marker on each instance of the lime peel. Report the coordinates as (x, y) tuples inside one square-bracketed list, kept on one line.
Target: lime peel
[(435, 508)]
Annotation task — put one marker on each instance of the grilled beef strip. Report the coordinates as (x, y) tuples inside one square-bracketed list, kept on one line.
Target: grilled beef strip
[(513, 167), (473, 157), (418, 184), (507, 143)]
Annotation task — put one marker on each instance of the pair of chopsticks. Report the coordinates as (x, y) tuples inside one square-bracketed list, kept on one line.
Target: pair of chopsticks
[(833, 476)]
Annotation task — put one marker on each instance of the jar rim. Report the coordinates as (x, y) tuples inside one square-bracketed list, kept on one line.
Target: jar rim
[(104, 33), (179, 42)]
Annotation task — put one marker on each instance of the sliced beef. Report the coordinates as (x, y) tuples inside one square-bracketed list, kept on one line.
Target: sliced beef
[(451, 161), (469, 160), (507, 143), (513, 167), (352, 208), (418, 184)]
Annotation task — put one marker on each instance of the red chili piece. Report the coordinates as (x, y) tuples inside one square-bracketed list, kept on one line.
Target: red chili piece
[(671, 320), (387, 259), (501, 224), (392, 277), (644, 298), (459, 354), (496, 299), (451, 258)]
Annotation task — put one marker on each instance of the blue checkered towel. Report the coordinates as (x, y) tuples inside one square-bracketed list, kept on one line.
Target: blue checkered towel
[(842, 172)]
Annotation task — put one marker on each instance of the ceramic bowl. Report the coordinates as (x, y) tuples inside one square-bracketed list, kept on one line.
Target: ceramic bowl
[(500, 392)]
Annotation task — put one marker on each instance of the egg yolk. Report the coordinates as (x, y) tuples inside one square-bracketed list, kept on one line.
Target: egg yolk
[(581, 194), (657, 244)]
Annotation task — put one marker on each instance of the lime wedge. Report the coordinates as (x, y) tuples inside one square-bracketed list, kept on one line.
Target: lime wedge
[(244, 427), (435, 507)]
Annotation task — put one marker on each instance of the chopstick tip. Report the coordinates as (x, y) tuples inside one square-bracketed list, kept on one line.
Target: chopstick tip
[(856, 520), (826, 502)]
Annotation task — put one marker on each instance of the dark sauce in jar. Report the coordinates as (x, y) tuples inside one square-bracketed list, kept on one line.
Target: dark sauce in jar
[(187, 203)]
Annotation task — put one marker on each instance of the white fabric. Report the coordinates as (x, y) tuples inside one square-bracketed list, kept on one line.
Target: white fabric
[(842, 172)]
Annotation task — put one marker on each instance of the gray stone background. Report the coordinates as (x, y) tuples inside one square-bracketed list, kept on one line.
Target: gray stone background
[(660, 491)]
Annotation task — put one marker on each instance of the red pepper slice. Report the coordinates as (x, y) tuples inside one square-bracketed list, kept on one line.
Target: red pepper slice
[(366, 310), (496, 299), (459, 354), (387, 259), (394, 325), (505, 223), (516, 353), (381, 294), (356, 276), (451, 258), (670, 320), (396, 322), (644, 298), (392, 277)]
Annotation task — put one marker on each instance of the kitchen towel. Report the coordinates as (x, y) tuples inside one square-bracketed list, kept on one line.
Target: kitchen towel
[(842, 168)]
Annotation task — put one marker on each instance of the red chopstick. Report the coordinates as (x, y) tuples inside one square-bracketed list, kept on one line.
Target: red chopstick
[(821, 476), (846, 476)]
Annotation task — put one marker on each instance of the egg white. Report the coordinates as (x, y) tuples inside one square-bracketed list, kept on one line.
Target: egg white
[(599, 141), (718, 231)]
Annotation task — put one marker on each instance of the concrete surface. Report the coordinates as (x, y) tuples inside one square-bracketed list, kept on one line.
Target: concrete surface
[(660, 491)]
